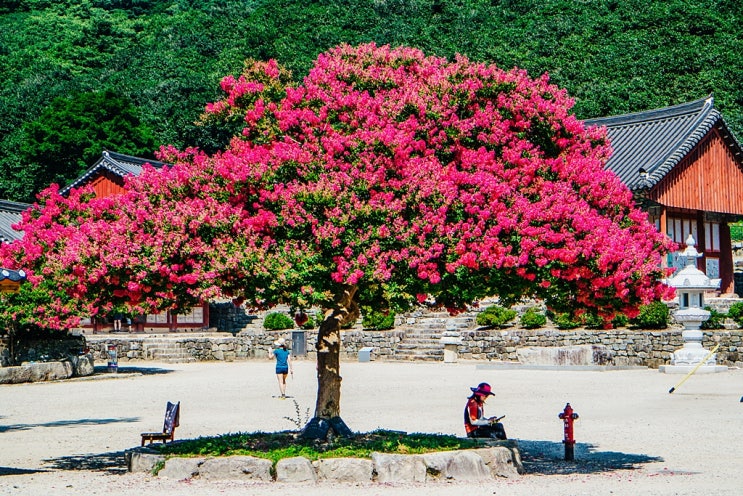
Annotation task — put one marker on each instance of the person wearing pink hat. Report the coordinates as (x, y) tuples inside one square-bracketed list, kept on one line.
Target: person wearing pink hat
[(475, 422)]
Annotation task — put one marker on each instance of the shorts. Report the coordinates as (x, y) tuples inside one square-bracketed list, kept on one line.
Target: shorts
[(282, 370)]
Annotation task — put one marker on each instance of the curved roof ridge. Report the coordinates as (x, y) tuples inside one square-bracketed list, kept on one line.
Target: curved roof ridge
[(648, 144), (655, 114)]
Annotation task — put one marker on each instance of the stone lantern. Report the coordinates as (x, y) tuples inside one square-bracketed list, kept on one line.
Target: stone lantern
[(691, 284)]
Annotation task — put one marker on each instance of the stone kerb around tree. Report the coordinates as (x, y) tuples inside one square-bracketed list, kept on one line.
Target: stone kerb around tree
[(495, 460)]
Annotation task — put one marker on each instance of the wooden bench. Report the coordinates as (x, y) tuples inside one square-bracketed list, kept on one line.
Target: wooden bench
[(172, 419)]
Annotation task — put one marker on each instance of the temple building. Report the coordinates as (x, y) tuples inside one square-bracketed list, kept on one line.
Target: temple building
[(685, 168)]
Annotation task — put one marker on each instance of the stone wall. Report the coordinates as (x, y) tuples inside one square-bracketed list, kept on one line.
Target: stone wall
[(47, 349), (244, 345), (227, 317), (618, 347)]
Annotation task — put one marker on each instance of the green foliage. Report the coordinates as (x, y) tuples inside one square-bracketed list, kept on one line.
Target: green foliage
[(736, 231), (652, 316), (70, 134), (495, 316), (591, 321), (565, 321), (532, 319), (620, 320), (277, 321), (166, 57), (716, 319), (313, 321), (735, 312), (375, 320), (280, 445)]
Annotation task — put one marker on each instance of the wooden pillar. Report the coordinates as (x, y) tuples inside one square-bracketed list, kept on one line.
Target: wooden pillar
[(664, 230), (205, 318), (727, 283), (701, 242)]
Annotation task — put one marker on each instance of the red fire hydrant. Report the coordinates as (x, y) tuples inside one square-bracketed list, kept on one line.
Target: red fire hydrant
[(568, 416)]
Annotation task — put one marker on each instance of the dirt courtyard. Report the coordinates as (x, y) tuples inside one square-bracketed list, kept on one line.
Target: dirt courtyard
[(633, 437)]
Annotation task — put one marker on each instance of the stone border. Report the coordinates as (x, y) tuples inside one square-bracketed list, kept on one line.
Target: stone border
[(78, 366), (496, 459)]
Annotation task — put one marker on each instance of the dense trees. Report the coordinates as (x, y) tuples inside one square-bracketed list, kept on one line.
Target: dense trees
[(385, 179), (167, 56), (69, 135)]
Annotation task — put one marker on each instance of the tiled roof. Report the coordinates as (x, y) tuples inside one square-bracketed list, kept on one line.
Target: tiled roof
[(117, 163), (12, 275), (647, 145), (10, 213)]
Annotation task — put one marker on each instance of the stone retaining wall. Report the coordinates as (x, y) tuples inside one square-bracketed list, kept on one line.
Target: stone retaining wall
[(481, 464), (245, 345), (619, 347), (46, 349)]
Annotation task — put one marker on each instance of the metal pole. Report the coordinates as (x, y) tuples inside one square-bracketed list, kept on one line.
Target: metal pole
[(709, 355)]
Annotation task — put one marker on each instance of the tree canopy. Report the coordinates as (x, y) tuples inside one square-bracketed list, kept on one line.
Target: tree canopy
[(385, 178), (167, 57)]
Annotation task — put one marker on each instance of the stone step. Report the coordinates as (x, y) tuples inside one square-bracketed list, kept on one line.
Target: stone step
[(407, 345)]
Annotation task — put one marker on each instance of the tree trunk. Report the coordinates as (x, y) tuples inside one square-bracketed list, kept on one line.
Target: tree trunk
[(328, 353)]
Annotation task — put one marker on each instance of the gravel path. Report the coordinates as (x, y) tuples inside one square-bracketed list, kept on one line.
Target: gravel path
[(634, 438)]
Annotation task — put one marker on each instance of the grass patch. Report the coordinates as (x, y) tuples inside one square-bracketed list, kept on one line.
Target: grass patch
[(278, 445)]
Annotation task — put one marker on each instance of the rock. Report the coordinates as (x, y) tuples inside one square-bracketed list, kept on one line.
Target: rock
[(236, 467), (36, 372), (456, 465), (181, 468), (142, 459), (344, 469), (50, 371), (502, 461), (399, 468), (85, 365), (297, 469)]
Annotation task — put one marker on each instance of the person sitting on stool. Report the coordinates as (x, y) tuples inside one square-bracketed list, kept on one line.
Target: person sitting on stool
[(475, 422)]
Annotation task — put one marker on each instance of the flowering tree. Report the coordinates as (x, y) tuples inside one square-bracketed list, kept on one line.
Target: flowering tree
[(385, 179)]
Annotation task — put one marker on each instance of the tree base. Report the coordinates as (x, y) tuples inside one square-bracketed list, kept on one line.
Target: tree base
[(319, 428)]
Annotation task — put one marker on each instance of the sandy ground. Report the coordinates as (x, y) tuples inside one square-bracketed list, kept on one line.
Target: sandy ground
[(634, 438)]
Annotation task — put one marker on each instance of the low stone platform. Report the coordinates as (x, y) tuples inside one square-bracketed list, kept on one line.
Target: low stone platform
[(685, 369), (47, 371), (496, 459)]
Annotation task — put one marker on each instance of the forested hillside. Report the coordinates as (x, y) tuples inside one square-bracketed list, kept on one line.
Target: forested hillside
[(81, 75)]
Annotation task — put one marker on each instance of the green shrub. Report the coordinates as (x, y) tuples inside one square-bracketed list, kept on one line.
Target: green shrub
[(377, 321), (565, 321), (736, 313), (716, 319), (533, 319), (592, 321), (313, 321), (620, 320), (495, 316), (277, 321), (652, 316)]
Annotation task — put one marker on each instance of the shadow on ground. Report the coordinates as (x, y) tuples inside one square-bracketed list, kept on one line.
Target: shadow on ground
[(112, 463), (103, 369), (548, 458), (19, 471), (67, 423)]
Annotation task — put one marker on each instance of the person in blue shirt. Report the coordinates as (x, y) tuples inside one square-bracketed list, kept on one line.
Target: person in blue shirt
[(283, 364)]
